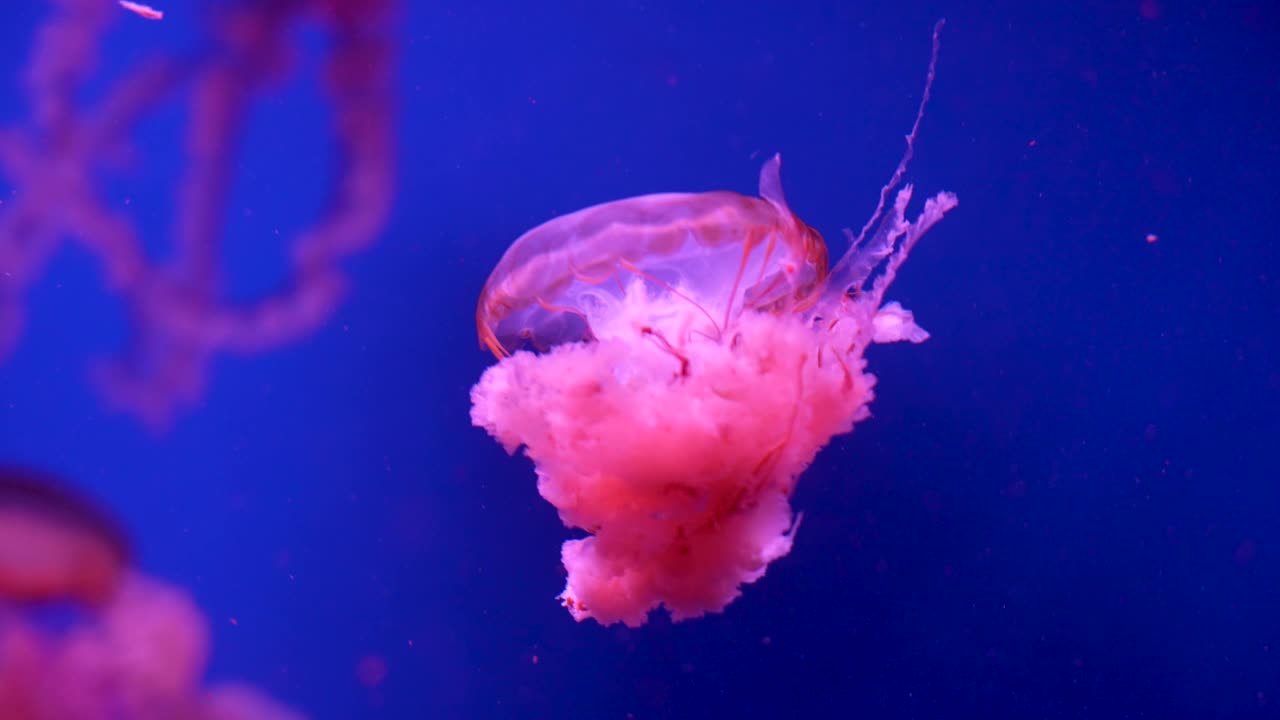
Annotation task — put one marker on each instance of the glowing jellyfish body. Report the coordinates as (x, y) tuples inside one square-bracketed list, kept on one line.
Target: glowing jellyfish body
[(695, 355)]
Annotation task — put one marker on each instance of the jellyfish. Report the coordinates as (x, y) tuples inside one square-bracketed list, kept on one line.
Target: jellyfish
[(672, 363), (128, 646), (54, 544)]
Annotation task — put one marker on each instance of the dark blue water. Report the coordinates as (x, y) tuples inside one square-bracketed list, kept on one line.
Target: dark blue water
[(1064, 506)]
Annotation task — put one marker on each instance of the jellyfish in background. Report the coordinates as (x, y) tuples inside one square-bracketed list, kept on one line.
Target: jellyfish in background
[(695, 353), (54, 163), (54, 545), (135, 649)]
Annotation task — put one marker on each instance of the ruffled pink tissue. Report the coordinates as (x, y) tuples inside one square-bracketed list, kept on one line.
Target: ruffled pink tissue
[(682, 481)]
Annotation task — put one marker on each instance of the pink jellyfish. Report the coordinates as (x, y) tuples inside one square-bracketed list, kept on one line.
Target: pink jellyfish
[(55, 544), (695, 354), (137, 648)]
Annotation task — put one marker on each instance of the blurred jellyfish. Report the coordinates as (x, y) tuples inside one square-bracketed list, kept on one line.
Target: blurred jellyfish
[(55, 545), (135, 648), (694, 354), (55, 165)]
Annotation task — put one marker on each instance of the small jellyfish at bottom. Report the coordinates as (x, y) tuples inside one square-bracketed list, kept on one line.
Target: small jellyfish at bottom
[(690, 355), (127, 646)]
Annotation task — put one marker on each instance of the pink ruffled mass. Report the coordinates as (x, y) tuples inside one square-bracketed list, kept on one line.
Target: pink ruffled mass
[(683, 481)]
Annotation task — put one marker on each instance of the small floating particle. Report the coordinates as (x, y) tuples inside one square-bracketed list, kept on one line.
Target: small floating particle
[(141, 10)]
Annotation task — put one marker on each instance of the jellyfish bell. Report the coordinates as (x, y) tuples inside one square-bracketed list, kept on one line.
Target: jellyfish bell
[(694, 353), (56, 545), (701, 259)]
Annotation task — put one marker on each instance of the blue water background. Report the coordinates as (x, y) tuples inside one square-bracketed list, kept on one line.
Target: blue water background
[(1065, 505)]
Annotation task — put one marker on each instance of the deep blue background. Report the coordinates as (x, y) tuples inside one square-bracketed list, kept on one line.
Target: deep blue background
[(1064, 507)]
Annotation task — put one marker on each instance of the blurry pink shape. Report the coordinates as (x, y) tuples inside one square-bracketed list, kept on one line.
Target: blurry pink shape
[(180, 321), (141, 658), (56, 544), (145, 11), (700, 355), (371, 670)]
